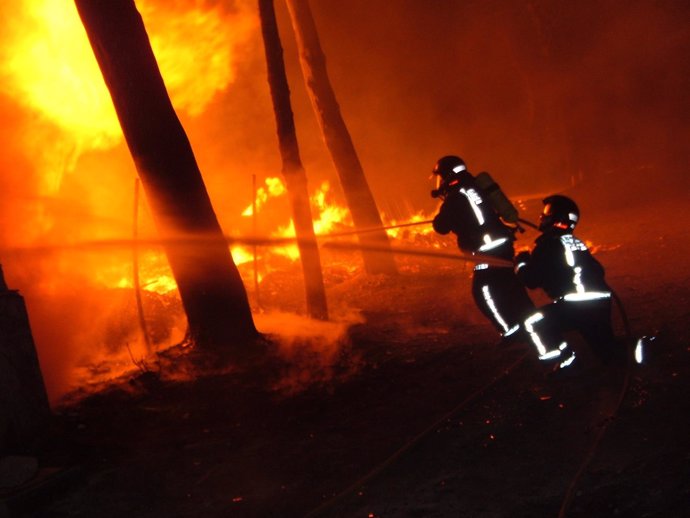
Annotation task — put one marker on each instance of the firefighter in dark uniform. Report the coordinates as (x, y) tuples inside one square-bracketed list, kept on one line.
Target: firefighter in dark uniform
[(564, 268), (467, 212)]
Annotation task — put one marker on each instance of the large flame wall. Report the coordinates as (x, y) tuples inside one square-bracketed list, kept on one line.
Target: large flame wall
[(67, 177)]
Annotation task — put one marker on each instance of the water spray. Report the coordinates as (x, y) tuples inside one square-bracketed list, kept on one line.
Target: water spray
[(256, 241), (196, 242)]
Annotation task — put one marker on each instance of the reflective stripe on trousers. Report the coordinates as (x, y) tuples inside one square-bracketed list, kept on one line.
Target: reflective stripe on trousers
[(547, 351), (507, 330)]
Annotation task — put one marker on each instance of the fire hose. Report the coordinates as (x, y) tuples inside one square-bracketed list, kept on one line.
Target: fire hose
[(415, 440), (410, 224), (570, 492), (589, 455), (477, 258), (193, 240)]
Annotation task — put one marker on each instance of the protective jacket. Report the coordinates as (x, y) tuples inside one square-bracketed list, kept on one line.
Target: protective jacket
[(564, 268), (496, 290), (466, 212)]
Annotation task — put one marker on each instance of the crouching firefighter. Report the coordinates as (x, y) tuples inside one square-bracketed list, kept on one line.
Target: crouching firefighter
[(467, 211), (562, 266)]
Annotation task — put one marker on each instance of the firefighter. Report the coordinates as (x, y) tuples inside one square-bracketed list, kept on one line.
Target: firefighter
[(563, 267), (467, 212)]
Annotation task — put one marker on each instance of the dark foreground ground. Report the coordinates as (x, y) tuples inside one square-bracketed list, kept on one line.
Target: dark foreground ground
[(414, 411)]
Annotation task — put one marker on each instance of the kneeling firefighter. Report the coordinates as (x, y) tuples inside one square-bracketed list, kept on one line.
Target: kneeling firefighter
[(467, 211), (564, 268)]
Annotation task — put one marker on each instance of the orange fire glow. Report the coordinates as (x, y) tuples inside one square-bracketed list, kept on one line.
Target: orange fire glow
[(78, 183), (79, 186), (326, 215)]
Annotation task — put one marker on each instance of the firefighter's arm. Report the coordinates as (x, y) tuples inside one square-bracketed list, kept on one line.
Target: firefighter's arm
[(521, 261), (442, 223), (514, 227), (521, 265), (540, 266), (527, 269)]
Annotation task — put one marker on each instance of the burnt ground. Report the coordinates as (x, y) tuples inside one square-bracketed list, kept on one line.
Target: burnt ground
[(416, 412)]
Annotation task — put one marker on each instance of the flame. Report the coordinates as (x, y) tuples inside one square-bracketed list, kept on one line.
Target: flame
[(52, 70), (68, 134), (48, 67), (408, 228), (274, 188), (330, 215), (326, 213), (154, 274), (240, 255), (195, 44)]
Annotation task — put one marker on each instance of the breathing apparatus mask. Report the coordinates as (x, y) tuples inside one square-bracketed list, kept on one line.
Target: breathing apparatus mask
[(449, 171)]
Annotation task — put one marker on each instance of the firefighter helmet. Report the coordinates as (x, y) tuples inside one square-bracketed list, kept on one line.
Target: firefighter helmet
[(449, 170), (448, 167), (560, 213)]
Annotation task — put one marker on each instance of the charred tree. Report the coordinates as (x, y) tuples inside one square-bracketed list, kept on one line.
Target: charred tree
[(360, 200), (209, 283), (24, 409), (293, 171)]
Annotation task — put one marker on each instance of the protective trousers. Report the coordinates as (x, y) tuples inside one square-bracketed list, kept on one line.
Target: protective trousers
[(591, 319), (501, 297)]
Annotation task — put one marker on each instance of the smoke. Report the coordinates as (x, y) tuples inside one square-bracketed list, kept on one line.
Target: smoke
[(66, 175), (312, 351), (534, 92)]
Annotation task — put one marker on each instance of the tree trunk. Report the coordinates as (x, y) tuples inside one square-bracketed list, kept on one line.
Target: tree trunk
[(294, 174), (24, 410), (359, 198), (209, 283)]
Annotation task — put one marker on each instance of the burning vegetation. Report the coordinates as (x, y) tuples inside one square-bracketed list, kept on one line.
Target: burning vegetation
[(76, 188), (83, 245)]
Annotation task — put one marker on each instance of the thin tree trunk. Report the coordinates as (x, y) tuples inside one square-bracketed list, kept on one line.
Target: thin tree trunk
[(209, 283), (135, 271), (295, 177), (338, 141)]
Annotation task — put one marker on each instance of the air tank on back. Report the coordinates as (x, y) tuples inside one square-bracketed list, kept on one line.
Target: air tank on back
[(498, 200)]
